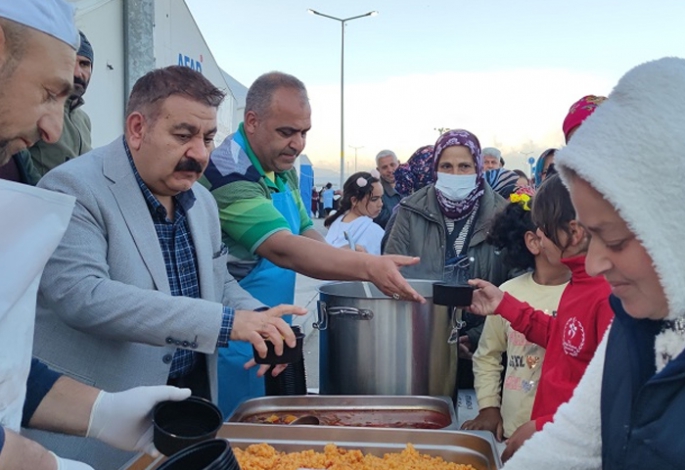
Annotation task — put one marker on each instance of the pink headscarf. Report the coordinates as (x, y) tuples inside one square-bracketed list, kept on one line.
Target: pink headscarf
[(579, 112)]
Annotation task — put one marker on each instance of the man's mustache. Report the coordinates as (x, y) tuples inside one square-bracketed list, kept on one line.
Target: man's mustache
[(80, 81), (188, 164)]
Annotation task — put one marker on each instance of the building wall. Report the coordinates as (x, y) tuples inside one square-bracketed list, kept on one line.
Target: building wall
[(102, 22), (177, 41)]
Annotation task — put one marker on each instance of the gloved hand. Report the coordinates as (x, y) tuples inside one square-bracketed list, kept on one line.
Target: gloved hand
[(124, 420), (66, 464)]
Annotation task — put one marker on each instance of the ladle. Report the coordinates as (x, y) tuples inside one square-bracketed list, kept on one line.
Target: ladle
[(306, 419)]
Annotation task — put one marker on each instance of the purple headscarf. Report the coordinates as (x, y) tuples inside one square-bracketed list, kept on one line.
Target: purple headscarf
[(460, 209), (416, 173)]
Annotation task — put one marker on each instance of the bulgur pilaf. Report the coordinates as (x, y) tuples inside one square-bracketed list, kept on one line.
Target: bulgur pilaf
[(265, 457)]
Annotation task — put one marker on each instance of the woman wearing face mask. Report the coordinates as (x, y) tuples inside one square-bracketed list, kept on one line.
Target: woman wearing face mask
[(448, 221)]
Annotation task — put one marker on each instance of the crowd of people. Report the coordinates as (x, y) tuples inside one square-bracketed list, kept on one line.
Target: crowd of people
[(149, 268)]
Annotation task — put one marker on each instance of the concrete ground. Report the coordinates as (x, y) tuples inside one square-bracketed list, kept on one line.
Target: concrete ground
[(306, 296)]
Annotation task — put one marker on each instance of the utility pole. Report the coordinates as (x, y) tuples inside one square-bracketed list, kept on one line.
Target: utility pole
[(355, 155), (342, 22), (531, 161)]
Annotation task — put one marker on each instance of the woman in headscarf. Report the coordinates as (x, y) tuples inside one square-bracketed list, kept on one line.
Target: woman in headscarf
[(416, 173), (447, 221), (409, 178), (545, 159), (578, 113), (627, 411), (503, 181)]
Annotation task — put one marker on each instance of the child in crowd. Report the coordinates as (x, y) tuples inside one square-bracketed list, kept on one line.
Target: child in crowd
[(504, 407), (571, 337), (353, 223), (522, 180)]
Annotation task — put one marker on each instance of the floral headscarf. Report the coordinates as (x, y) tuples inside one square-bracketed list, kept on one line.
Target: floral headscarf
[(460, 209), (416, 173), (579, 112), (523, 197)]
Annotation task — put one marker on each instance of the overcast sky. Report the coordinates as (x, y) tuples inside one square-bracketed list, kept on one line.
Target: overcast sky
[(505, 69)]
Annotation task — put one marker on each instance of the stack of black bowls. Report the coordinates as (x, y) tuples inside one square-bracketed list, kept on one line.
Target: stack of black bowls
[(185, 431), (293, 380)]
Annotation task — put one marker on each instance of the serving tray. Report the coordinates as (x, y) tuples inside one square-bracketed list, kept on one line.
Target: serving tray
[(378, 408), (476, 448)]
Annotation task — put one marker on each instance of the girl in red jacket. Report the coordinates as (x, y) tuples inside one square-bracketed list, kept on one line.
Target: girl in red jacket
[(572, 335)]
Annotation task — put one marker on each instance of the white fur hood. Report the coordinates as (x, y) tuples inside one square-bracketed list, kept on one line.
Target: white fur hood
[(638, 134)]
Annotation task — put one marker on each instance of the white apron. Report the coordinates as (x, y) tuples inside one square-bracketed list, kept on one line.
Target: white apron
[(32, 222)]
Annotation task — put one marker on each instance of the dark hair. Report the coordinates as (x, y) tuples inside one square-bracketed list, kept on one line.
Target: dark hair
[(553, 210), (154, 87), (15, 42), (261, 91), (551, 170), (352, 190), (507, 233), (521, 173)]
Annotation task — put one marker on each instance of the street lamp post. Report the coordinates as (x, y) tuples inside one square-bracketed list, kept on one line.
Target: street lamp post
[(531, 162), (355, 155), (342, 81)]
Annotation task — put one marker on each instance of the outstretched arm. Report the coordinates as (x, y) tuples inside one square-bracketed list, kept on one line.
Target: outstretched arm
[(122, 420), (534, 324), (322, 261)]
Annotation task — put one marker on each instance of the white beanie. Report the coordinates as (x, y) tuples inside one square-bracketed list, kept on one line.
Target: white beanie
[(53, 17), (632, 150)]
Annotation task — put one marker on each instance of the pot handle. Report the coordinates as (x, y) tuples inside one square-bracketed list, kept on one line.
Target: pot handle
[(322, 316), (324, 312), (360, 313), (457, 324)]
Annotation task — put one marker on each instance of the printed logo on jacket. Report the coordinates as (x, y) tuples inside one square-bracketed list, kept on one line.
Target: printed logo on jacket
[(573, 337)]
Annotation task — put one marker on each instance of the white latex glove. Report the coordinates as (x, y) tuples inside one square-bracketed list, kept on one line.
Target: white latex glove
[(124, 420), (66, 464)]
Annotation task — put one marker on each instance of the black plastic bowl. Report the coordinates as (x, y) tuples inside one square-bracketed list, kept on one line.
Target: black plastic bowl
[(452, 295), (208, 455), (289, 355), (180, 424)]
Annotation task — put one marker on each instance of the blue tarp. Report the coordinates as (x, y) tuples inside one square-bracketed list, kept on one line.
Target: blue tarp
[(306, 182)]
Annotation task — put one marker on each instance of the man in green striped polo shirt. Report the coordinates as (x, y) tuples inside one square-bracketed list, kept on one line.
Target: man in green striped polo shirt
[(265, 225)]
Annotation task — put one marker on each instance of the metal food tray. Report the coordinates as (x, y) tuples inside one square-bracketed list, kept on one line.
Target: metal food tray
[(280, 404), (476, 448)]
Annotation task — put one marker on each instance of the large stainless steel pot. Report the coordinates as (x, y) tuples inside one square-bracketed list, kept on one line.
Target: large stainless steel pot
[(370, 344)]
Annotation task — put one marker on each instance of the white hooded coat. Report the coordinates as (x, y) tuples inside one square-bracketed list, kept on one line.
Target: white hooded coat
[(631, 150)]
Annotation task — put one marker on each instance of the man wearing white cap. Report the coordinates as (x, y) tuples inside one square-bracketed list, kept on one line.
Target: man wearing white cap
[(76, 132), (38, 42)]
